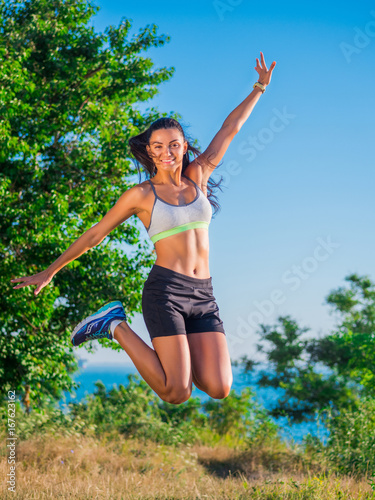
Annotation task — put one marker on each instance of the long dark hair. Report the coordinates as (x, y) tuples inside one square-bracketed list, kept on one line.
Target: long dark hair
[(138, 150)]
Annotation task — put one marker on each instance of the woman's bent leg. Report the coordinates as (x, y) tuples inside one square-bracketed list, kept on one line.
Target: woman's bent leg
[(211, 364), (166, 368)]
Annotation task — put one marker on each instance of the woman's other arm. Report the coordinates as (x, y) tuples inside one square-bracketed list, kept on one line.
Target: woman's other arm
[(126, 206)]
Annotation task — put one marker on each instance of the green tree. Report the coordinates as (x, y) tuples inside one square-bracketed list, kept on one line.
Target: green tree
[(350, 351), (330, 372), (68, 105)]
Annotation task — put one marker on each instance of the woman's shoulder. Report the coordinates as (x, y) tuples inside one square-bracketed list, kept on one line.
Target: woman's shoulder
[(137, 196), (143, 188)]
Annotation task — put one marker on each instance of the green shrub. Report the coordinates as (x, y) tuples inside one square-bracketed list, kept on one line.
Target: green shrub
[(136, 411), (350, 447), (241, 416), (44, 419)]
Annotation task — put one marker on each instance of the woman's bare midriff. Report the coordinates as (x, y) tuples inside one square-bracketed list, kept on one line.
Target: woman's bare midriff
[(186, 252)]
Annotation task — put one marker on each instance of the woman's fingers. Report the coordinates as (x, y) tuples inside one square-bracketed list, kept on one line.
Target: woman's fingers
[(28, 280), (21, 285), (18, 279), (40, 280), (263, 71), (263, 61)]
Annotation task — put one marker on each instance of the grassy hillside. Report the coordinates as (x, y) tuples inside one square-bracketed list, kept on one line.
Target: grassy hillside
[(126, 443), (114, 467)]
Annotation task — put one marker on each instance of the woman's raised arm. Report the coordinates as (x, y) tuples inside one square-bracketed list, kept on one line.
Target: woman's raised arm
[(234, 121), (126, 206)]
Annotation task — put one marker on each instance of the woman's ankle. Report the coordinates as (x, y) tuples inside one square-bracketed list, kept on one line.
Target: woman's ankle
[(114, 325)]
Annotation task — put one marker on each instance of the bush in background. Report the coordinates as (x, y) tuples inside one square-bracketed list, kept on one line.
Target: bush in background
[(136, 411), (350, 447)]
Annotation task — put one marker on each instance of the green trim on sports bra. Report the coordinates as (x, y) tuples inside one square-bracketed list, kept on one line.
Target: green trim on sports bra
[(179, 229)]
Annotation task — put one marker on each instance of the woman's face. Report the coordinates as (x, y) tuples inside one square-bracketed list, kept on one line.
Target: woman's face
[(167, 148)]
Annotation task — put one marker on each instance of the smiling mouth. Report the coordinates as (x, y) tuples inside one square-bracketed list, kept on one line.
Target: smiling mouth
[(167, 161)]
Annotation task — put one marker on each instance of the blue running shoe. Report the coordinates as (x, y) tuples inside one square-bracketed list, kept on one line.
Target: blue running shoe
[(97, 325)]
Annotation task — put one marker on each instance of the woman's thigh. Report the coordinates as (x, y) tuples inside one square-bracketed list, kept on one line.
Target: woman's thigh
[(174, 355), (210, 363)]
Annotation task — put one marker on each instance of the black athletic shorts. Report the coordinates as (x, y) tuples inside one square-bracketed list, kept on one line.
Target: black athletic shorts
[(175, 304)]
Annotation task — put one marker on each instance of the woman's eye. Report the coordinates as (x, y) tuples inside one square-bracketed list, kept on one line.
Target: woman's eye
[(176, 145)]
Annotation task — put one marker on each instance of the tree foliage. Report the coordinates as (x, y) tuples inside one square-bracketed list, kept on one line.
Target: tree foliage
[(331, 372), (68, 105)]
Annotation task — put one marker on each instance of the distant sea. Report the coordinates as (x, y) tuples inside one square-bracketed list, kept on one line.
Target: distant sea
[(112, 374)]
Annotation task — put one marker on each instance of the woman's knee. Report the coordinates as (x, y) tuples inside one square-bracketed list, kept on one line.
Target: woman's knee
[(219, 392), (177, 396)]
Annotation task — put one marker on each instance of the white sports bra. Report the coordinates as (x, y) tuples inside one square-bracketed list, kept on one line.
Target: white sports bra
[(168, 219)]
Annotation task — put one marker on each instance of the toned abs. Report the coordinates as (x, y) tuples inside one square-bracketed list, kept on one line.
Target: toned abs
[(186, 252)]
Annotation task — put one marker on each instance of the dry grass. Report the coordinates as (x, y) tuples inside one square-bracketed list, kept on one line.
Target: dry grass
[(118, 468)]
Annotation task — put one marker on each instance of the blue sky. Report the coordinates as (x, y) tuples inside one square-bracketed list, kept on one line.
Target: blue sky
[(297, 210)]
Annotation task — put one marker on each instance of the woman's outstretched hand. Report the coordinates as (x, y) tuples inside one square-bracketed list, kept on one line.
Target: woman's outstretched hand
[(264, 73), (41, 280)]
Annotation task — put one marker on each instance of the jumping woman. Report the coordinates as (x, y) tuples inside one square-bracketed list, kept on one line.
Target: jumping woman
[(178, 305)]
